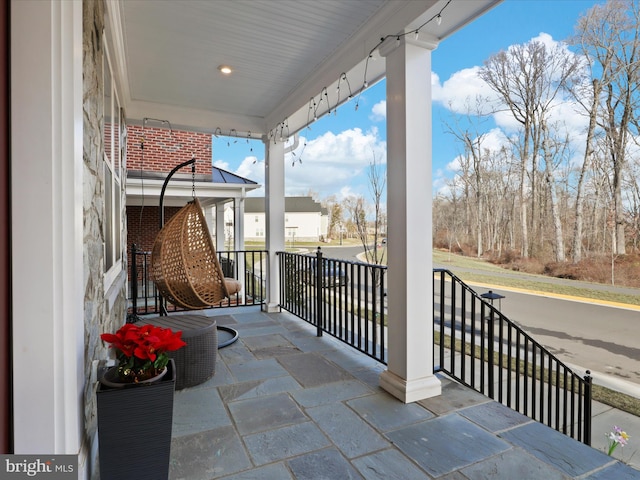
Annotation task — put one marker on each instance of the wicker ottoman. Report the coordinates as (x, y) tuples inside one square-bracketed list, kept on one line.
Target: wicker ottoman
[(196, 362)]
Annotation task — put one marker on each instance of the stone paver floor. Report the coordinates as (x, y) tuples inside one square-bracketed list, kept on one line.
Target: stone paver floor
[(285, 404)]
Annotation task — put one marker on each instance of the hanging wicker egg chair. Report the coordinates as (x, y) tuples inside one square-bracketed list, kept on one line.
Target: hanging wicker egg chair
[(184, 264)]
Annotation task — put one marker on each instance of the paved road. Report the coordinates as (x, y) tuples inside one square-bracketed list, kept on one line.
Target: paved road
[(601, 338), (586, 334), (342, 253)]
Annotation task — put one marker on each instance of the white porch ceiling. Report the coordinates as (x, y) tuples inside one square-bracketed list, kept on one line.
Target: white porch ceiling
[(283, 53)]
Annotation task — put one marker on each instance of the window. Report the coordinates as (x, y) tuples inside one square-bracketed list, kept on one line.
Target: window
[(114, 153)]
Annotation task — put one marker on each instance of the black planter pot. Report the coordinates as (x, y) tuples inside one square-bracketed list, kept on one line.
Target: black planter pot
[(134, 429)]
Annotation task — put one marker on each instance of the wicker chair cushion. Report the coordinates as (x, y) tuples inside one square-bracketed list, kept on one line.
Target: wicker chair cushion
[(233, 286), (196, 362), (184, 264)]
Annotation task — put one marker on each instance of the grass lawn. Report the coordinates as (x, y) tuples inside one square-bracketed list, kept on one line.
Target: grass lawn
[(473, 270)]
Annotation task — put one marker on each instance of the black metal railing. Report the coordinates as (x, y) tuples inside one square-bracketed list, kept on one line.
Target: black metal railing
[(475, 343), (482, 349), (342, 298), (247, 266)]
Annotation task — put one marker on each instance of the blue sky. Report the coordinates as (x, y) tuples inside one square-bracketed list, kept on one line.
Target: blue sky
[(340, 148)]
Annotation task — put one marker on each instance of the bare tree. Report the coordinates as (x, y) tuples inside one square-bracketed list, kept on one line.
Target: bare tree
[(609, 35), (534, 191), (377, 183), (448, 218), (591, 108), (548, 147), (335, 216), (469, 136), (353, 208), (528, 79)]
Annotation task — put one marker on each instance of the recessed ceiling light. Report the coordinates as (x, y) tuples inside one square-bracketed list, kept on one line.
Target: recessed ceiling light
[(226, 69)]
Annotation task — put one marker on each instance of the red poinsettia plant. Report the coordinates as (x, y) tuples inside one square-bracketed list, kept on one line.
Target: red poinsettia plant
[(142, 350)]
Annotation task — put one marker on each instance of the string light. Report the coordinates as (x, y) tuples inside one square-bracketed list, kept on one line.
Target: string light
[(314, 107), (249, 143), (169, 148), (304, 146), (312, 103), (437, 17), (343, 78), (326, 97), (234, 133)]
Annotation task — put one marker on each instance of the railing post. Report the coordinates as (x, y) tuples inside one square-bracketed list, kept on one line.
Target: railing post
[(587, 407), (284, 277), (441, 315), (490, 351), (133, 316), (318, 282)]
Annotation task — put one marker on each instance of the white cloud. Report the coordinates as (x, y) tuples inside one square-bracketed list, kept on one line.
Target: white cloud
[(331, 164), (440, 183), (379, 111), (222, 164), (464, 92), (345, 192), (548, 41), (460, 91), (250, 168)]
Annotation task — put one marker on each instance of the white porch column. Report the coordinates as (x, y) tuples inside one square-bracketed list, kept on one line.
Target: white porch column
[(238, 214), (238, 223), (47, 226), (274, 211), (209, 216), (219, 227), (409, 375)]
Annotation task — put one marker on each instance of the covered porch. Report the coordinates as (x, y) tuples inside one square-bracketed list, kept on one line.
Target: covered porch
[(289, 63), (286, 404), (309, 388)]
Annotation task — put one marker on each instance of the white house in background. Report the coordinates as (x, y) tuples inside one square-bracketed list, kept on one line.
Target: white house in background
[(305, 219)]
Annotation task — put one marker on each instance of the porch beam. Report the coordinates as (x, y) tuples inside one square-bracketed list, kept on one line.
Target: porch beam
[(409, 375)]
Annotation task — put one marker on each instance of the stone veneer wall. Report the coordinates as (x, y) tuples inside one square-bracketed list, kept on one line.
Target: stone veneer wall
[(100, 313)]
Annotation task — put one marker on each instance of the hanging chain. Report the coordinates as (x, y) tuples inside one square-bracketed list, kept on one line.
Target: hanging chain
[(193, 176)]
